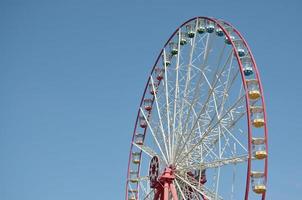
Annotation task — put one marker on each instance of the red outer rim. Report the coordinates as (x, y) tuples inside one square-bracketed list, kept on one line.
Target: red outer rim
[(218, 23), (262, 100)]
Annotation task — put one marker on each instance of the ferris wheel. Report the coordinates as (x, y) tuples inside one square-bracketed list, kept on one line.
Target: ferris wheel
[(200, 131)]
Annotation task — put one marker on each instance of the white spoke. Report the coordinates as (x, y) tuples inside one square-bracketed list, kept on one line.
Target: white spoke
[(218, 163), (154, 136), (188, 77), (195, 98), (167, 105), (180, 190), (212, 89), (148, 151), (175, 95), (143, 188), (229, 132), (212, 127), (148, 196), (160, 119), (194, 185)]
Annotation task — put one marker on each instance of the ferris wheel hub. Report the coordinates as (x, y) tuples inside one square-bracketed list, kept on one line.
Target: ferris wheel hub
[(168, 174), (164, 185)]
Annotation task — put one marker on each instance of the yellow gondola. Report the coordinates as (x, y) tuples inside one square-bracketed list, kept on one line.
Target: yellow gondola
[(257, 116), (259, 150), (258, 185), (253, 89)]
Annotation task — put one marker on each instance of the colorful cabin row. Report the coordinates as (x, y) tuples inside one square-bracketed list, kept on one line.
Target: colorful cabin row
[(133, 176), (259, 149), (257, 116), (203, 26), (132, 194), (208, 26), (253, 89), (258, 182), (239, 44)]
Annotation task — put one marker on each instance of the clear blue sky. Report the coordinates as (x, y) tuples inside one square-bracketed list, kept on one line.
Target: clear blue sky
[(72, 74)]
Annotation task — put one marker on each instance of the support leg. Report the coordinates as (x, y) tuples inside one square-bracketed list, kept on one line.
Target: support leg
[(157, 194), (162, 196), (173, 191), (166, 191)]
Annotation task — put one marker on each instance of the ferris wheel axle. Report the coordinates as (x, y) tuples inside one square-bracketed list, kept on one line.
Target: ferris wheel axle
[(165, 186)]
